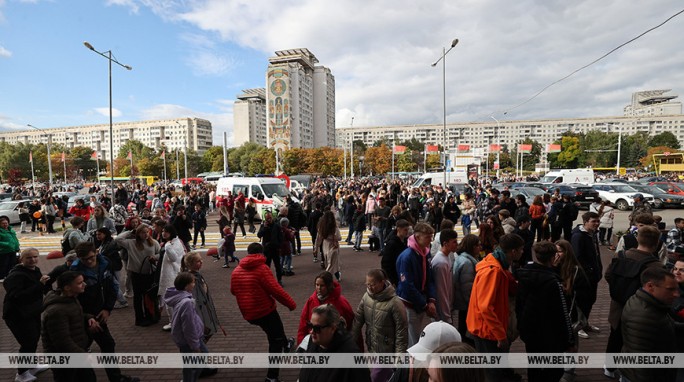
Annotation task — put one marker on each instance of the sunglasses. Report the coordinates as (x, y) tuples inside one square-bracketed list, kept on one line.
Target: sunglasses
[(316, 328)]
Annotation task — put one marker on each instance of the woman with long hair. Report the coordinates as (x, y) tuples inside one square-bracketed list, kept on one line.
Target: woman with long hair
[(192, 262), (463, 273), (487, 241), (537, 214), (172, 251), (468, 208), (577, 290), (143, 254), (329, 236), (110, 250)]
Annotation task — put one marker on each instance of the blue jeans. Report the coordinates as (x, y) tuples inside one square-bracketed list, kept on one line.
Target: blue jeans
[(286, 262), (358, 237), (192, 374)]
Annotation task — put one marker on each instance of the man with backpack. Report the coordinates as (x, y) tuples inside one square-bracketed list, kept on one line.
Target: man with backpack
[(585, 245), (74, 236), (623, 276)]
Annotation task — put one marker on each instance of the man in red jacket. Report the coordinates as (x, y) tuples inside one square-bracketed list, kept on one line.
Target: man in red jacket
[(256, 291)]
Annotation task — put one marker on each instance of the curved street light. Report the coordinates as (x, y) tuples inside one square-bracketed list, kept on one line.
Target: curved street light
[(108, 56), (444, 128)]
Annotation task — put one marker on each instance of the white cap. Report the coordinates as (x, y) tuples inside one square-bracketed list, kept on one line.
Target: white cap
[(433, 336)]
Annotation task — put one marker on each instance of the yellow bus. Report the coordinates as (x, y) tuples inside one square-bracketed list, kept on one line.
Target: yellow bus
[(144, 179)]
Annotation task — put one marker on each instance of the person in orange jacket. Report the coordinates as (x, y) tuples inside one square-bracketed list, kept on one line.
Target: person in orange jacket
[(488, 309)]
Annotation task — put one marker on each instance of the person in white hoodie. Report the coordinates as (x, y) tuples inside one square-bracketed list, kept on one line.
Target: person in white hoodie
[(174, 250), (187, 327)]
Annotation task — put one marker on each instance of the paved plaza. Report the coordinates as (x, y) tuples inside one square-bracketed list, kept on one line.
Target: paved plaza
[(243, 337)]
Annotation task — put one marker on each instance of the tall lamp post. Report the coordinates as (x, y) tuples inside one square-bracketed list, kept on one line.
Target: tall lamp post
[(49, 138), (444, 130), (108, 56), (498, 164), (185, 150)]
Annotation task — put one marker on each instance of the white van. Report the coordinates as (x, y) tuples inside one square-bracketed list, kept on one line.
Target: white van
[(269, 193), (436, 178), (579, 175)]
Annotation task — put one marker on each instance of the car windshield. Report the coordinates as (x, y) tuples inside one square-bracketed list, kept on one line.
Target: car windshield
[(6, 206), (533, 191), (275, 188), (623, 188), (548, 179)]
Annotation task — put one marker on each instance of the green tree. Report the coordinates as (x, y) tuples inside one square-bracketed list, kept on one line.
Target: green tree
[(599, 149), (212, 160), (404, 162), (531, 158), (570, 153), (666, 139), (634, 147), (137, 148)]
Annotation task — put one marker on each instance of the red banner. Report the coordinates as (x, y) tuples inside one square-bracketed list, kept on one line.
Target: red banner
[(463, 147), (63, 156), (163, 155), (431, 148), (130, 155), (525, 148), (30, 156), (496, 165), (93, 155), (553, 148), (399, 149), (494, 148)]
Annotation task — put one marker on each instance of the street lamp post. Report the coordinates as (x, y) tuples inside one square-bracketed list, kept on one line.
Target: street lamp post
[(108, 56), (185, 151), (49, 138), (498, 164), (444, 129)]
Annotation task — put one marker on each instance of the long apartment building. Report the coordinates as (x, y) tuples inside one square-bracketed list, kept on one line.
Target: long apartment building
[(296, 109), (174, 134), (652, 112)]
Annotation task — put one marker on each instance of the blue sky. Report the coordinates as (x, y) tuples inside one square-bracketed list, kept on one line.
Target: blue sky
[(190, 58)]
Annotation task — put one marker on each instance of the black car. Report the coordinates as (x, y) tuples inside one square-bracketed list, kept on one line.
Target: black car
[(582, 194), (661, 199)]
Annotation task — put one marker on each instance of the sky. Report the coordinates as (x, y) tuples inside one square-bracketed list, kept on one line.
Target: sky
[(191, 58)]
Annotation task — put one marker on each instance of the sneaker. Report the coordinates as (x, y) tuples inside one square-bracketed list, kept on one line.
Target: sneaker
[(193, 246), (244, 236), (225, 266), (322, 264), (614, 374), (121, 304), (202, 246), (39, 369), (24, 377), (166, 328), (582, 334), (592, 328), (315, 259)]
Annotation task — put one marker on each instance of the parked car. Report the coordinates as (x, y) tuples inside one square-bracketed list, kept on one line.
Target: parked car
[(10, 210), (670, 187), (661, 199), (621, 195), (582, 194)]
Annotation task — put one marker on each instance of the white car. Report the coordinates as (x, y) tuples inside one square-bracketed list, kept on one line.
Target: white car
[(620, 195), (10, 210)]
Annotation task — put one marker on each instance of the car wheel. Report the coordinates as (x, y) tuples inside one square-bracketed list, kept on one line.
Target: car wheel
[(622, 205), (658, 203)]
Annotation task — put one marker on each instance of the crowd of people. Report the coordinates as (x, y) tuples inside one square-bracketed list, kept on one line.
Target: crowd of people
[(528, 273)]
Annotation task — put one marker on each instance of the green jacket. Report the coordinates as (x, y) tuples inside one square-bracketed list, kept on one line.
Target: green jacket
[(385, 318), (8, 241)]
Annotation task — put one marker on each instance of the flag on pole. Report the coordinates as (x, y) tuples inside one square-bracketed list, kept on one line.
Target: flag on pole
[(463, 148), (93, 155), (431, 148), (30, 156), (130, 156), (553, 148), (496, 165), (399, 149), (63, 156), (163, 154), (494, 148), (525, 148)]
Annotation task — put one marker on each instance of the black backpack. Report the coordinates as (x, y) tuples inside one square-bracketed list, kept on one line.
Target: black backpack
[(625, 276), (66, 246)]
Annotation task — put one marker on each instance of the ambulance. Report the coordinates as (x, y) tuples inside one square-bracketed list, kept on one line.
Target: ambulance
[(268, 193)]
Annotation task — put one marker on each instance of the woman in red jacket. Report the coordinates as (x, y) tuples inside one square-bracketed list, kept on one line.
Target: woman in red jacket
[(327, 292), (256, 291)]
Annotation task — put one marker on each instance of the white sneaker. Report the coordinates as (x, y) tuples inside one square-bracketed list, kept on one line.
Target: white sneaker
[(39, 369), (611, 374), (166, 328), (25, 377), (582, 334)]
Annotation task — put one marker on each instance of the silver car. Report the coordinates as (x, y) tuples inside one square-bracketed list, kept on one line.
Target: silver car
[(10, 209)]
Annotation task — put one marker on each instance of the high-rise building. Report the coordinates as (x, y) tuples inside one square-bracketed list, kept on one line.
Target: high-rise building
[(174, 134), (653, 103), (300, 97), (249, 117)]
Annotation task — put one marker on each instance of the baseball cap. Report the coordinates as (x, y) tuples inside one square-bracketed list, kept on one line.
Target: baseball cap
[(433, 336)]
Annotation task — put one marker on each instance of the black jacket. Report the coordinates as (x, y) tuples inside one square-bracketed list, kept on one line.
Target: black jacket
[(101, 289), (394, 247), (24, 294), (342, 343), (585, 246), (542, 311)]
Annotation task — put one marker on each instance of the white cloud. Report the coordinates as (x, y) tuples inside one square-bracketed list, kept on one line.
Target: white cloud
[(4, 52), (105, 111), (130, 4)]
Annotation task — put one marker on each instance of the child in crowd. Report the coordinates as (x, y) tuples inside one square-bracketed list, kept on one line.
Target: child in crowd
[(286, 247), (226, 247)]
